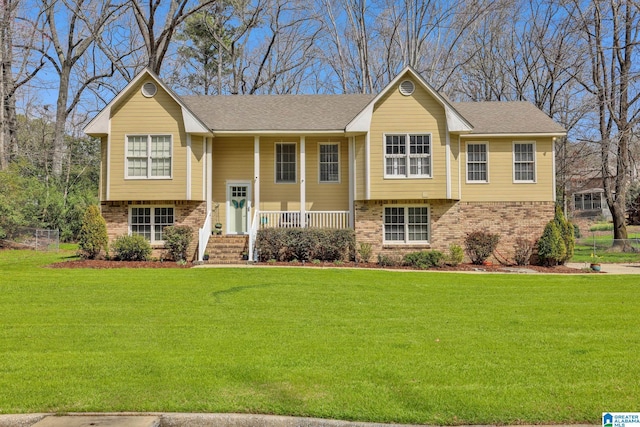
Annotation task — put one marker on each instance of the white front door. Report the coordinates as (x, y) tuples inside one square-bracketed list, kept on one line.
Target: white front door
[(238, 207)]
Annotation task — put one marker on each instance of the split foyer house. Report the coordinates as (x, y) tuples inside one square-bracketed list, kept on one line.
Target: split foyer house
[(406, 169)]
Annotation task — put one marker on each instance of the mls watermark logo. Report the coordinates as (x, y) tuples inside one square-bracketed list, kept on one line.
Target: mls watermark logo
[(621, 419)]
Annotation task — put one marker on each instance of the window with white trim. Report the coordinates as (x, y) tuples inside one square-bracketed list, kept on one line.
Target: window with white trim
[(329, 162), (477, 162), (286, 163), (413, 150), (149, 156), (524, 163), (406, 224), (150, 221)]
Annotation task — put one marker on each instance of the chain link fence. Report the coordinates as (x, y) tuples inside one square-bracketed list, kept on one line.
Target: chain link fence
[(34, 238), (600, 244)]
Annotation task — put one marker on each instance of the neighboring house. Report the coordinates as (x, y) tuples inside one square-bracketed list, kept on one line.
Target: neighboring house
[(406, 168)]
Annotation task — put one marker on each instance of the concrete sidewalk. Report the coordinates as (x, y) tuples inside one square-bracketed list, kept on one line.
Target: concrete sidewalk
[(621, 268), (187, 420)]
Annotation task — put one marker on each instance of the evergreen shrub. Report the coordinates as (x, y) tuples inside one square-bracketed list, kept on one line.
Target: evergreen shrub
[(177, 239), (131, 248), (93, 233), (305, 244)]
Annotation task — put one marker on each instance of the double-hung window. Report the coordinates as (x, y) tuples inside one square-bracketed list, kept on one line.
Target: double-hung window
[(406, 224), (150, 222), (407, 155), (524, 162), (329, 162), (477, 162), (149, 156), (286, 163)]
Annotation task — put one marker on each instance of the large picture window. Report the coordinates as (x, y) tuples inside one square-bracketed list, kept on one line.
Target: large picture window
[(412, 150), (149, 156), (406, 224), (524, 162), (477, 163), (150, 222), (286, 163), (329, 162)]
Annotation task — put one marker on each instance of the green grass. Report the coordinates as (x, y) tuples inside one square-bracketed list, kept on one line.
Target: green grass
[(408, 347), (584, 249)]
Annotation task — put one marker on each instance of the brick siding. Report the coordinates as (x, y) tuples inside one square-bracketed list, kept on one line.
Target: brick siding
[(451, 221), (192, 214)]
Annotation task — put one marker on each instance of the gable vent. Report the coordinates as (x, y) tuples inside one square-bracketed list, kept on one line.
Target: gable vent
[(149, 89), (407, 87)]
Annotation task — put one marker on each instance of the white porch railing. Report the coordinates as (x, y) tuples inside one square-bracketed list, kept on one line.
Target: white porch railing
[(203, 236), (314, 219)]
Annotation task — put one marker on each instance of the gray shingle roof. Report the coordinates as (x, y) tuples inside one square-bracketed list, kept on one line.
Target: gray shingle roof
[(506, 117), (277, 112), (334, 112)]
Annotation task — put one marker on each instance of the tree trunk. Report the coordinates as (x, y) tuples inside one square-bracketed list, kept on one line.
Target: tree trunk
[(59, 143)]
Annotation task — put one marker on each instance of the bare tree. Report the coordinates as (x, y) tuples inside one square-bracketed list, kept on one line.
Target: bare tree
[(86, 20), (157, 42), (610, 30), (26, 68)]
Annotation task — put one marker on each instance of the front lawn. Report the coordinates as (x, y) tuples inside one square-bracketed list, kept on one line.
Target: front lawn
[(410, 347)]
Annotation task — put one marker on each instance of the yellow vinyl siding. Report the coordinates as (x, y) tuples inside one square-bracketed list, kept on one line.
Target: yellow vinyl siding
[(501, 186), (138, 115), (232, 161), (197, 161), (326, 196), (277, 197), (418, 113)]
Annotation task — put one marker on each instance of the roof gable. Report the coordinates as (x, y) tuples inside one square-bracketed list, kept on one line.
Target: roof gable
[(100, 123), (455, 121)]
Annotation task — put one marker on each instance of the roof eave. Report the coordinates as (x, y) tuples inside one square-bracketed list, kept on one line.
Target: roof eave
[(515, 135)]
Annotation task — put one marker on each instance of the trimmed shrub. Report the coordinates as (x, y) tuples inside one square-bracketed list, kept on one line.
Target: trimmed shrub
[(479, 245), (424, 259), (177, 239), (389, 260), (131, 248), (305, 244), (566, 233), (365, 251), (93, 233), (522, 251), (456, 255), (551, 249)]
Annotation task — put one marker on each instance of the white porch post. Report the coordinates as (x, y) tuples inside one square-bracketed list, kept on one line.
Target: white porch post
[(256, 173), (303, 185), (352, 182), (209, 148)]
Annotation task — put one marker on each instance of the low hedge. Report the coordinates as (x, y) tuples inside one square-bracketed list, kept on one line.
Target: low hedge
[(305, 244)]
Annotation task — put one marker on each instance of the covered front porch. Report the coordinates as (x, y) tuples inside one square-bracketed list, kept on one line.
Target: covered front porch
[(284, 181)]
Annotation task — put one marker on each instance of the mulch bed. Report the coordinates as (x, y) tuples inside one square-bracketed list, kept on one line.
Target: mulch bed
[(103, 264)]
